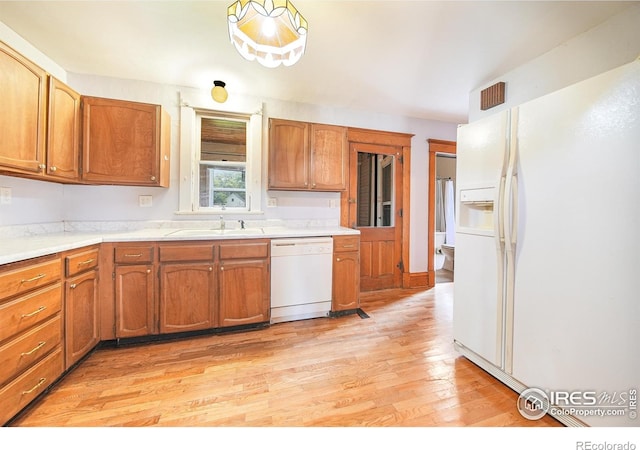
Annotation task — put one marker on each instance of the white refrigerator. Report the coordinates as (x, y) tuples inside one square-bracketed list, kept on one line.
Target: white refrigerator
[(547, 270)]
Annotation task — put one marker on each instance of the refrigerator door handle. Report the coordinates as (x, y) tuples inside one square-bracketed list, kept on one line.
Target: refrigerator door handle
[(510, 225)]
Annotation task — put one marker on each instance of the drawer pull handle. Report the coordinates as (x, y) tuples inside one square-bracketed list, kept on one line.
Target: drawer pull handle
[(40, 383), (88, 261), (36, 278), (37, 311), (34, 349), (133, 255), (348, 246)]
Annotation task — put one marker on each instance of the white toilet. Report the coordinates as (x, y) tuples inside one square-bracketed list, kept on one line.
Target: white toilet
[(449, 253)]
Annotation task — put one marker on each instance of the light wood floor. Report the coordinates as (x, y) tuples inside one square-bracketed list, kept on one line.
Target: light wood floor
[(396, 368)]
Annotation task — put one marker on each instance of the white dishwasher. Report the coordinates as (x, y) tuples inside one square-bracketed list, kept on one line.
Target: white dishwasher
[(301, 278)]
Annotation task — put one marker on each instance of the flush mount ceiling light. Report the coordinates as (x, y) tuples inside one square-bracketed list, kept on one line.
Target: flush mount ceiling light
[(272, 32), (219, 93)]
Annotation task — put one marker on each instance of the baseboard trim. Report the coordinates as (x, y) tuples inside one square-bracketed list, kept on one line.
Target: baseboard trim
[(415, 280)]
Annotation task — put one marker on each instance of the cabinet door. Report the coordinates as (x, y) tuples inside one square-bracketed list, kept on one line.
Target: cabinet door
[(23, 113), (81, 316), (346, 281), (122, 142), (244, 292), (329, 158), (63, 135), (288, 155), (187, 297), (135, 301)]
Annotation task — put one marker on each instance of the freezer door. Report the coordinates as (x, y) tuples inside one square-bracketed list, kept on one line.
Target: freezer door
[(576, 319), (477, 305)]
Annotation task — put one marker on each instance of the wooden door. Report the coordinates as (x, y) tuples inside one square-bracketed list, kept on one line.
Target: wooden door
[(329, 158), (135, 301), (375, 208), (81, 316), (63, 137), (23, 113), (121, 142), (187, 297), (244, 292), (288, 154)]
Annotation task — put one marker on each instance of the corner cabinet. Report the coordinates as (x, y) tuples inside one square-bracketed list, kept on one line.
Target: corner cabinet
[(81, 304), (346, 273), (63, 133), (125, 143), (307, 156), (244, 283)]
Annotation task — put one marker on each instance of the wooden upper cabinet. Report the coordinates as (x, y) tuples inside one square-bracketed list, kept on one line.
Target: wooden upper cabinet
[(329, 157), (288, 155), (125, 143), (307, 156), (23, 113), (63, 133)]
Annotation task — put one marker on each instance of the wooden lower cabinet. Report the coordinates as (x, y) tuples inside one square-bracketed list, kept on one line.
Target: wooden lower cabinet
[(244, 292), (82, 326), (31, 331), (346, 273), (135, 300), (81, 316), (187, 297)]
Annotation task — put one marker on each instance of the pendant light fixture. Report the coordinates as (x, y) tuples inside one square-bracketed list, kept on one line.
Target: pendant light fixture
[(272, 32), (218, 92)]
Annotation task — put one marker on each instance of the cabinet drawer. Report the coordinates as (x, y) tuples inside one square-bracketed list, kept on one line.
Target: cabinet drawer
[(195, 252), (23, 351), (18, 315), (21, 391), (346, 243), (243, 250), (133, 254), (82, 261), (28, 278)]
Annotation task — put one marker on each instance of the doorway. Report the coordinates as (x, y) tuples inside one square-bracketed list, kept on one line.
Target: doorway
[(377, 213), (436, 148), (445, 217)]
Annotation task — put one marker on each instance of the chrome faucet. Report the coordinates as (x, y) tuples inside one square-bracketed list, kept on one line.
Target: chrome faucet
[(221, 223)]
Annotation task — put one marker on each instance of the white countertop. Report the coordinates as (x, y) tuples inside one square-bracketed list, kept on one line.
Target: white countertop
[(20, 248)]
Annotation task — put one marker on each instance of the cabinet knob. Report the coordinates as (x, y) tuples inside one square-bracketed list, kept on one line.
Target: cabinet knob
[(148, 270), (42, 166), (153, 178), (53, 168), (73, 286), (338, 259), (210, 269)]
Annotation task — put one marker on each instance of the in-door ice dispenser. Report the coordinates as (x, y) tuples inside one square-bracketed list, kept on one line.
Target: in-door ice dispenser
[(476, 210)]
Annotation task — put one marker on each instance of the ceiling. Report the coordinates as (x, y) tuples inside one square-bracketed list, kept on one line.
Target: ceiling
[(406, 58)]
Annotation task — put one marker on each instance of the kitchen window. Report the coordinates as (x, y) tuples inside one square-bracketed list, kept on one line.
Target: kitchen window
[(220, 161)]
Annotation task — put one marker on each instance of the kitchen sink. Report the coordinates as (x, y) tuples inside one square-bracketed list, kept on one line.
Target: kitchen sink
[(229, 232)]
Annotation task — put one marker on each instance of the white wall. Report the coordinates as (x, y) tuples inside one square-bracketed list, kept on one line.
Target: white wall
[(605, 47)]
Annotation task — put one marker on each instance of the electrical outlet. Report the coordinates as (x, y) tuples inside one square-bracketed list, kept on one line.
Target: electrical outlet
[(272, 201), (5, 195), (145, 201)]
